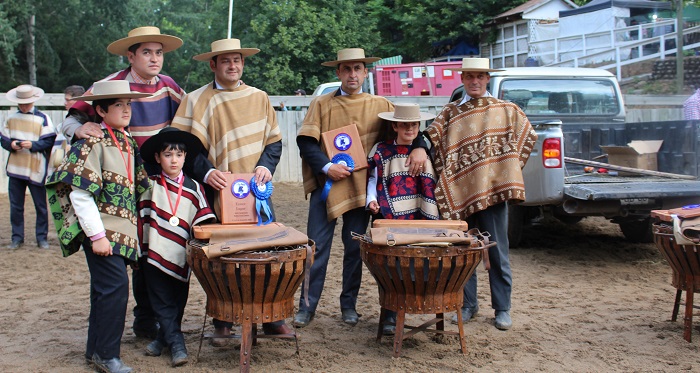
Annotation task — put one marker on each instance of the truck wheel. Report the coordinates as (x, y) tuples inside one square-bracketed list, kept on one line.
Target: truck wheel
[(638, 231), (516, 220)]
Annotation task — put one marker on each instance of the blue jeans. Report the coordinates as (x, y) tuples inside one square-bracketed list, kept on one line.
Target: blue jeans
[(321, 230), (495, 221)]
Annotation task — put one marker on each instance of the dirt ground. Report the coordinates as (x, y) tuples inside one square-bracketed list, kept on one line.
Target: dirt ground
[(584, 300)]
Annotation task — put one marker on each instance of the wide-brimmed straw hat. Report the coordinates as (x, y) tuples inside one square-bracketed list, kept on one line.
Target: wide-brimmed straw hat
[(110, 89), (474, 64), (170, 135), (146, 34), (24, 94), (226, 46), (406, 113), (351, 55)]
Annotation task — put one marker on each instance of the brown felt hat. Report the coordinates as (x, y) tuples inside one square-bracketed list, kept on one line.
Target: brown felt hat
[(146, 34), (351, 55), (224, 46)]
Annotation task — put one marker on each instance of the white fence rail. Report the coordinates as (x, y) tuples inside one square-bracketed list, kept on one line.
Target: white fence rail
[(639, 109)]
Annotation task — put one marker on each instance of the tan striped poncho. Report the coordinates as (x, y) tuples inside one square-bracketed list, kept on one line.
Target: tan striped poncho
[(480, 148), (26, 164), (235, 125), (329, 112)]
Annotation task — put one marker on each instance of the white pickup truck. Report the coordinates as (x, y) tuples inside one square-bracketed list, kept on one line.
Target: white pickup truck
[(575, 111)]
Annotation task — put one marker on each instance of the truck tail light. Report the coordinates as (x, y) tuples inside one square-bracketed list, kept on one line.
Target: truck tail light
[(551, 153)]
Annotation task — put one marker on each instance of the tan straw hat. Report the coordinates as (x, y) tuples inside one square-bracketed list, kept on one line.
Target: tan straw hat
[(110, 89), (351, 55), (226, 46), (406, 113), (146, 34), (24, 94), (474, 64)]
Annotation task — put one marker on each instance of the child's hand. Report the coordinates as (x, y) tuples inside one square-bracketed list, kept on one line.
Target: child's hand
[(102, 247), (373, 207), (16, 145), (26, 144)]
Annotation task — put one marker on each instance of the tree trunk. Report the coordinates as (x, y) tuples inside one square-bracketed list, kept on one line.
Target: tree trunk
[(31, 53)]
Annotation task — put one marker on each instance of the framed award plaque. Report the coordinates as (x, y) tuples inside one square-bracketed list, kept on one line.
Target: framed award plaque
[(345, 140), (237, 201)]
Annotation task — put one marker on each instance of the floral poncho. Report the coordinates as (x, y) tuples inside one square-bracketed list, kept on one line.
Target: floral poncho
[(96, 165)]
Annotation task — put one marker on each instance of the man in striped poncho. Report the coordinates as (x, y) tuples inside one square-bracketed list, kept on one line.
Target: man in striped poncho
[(238, 126)]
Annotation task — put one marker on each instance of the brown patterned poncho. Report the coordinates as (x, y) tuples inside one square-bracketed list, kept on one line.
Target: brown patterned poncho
[(95, 165), (480, 148)]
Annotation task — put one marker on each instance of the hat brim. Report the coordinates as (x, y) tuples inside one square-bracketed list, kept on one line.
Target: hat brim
[(338, 62), (149, 148), (245, 52), (389, 115), (111, 95), (11, 95), (481, 70), (121, 46)]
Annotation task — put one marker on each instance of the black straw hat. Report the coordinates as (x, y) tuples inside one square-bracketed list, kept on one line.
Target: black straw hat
[(171, 135)]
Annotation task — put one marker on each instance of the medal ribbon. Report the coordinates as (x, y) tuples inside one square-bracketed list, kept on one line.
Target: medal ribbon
[(340, 158), (167, 193), (261, 203), (128, 151)]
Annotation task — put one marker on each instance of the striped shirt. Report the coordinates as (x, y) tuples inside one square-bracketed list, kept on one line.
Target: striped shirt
[(28, 164)]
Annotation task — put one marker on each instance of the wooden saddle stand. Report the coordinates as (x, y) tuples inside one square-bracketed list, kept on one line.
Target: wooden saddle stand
[(422, 278), (684, 260), (249, 273)]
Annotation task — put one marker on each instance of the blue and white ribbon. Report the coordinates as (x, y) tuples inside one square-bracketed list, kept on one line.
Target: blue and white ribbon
[(340, 158), (262, 193)]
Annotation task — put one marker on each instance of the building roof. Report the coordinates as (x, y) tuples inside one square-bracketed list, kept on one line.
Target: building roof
[(526, 7)]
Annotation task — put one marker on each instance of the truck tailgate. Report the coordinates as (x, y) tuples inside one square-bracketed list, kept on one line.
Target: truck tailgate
[(598, 187)]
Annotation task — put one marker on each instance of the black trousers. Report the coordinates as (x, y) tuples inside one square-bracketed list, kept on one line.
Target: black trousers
[(16, 189), (144, 317), (109, 294), (168, 298)]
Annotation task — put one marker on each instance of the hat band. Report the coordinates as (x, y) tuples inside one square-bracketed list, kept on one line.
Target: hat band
[(402, 117), (23, 95)]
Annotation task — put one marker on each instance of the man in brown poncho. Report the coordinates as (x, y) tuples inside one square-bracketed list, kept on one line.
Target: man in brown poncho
[(480, 146), (346, 198)]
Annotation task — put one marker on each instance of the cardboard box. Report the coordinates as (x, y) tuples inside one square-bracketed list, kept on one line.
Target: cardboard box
[(637, 154)]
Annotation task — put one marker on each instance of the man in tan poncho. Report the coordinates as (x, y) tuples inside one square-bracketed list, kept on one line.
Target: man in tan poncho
[(347, 197), (480, 145), (238, 127)]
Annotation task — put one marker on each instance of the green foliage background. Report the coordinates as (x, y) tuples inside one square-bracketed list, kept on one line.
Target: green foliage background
[(294, 36)]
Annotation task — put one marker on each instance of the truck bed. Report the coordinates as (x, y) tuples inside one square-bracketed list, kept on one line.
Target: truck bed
[(597, 187)]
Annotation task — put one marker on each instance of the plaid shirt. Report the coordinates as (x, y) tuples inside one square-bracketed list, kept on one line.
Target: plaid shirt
[(691, 107)]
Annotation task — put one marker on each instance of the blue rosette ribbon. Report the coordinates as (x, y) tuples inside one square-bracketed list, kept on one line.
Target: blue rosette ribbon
[(340, 158), (262, 206)]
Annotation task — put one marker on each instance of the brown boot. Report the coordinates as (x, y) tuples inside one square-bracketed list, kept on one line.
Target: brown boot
[(220, 332)]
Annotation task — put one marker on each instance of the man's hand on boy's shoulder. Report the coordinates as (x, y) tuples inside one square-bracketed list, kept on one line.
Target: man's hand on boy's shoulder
[(88, 129)]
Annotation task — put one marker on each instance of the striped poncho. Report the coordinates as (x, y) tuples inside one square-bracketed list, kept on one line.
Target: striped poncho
[(28, 164), (400, 195), (149, 114), (162, 243), (96, 165), (234, 125), (479, 149), (329, 112)]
